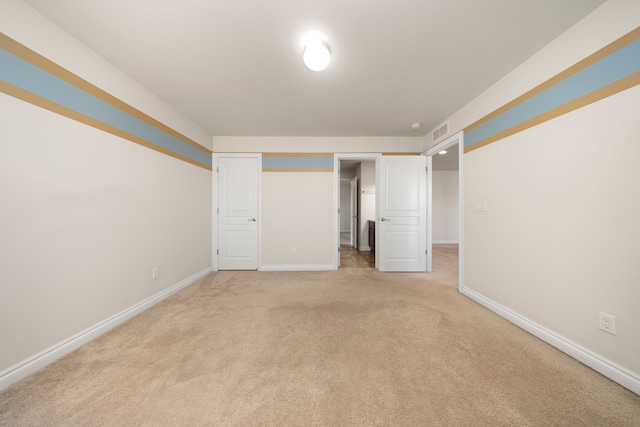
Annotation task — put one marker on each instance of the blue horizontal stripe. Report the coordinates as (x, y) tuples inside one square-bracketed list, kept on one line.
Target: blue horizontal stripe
[(618, 65), (23, 74), (297, 162)]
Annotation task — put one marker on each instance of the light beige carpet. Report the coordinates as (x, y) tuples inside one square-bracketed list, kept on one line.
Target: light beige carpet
[(348, 348)]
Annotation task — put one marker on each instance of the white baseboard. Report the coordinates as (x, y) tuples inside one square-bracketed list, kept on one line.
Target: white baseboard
[(445, 242), (595, 362), (39, 361), (298, 267)]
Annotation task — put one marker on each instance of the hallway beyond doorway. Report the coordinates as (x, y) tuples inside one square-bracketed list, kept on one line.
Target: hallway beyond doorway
[(353, 258)]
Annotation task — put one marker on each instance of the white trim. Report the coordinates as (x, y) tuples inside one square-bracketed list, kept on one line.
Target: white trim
[(458, 138), (39, 361), (595, 362), (298, 267), (214, 205), (214, 212), (429, 191), (446, 242), (354, 237)]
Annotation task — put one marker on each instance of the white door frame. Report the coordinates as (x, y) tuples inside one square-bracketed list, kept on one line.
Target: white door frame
[(458, 138), (336, 196), (215, 205), (429, 214), (353, 214)]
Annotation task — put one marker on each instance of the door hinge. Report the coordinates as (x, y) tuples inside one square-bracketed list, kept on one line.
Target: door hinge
[(425, 251), (338, 248), (426, 168), (217, 251), (218, 169), (217, 210)]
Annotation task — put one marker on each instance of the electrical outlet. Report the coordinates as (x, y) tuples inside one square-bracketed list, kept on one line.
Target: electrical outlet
[(607, 323), (155, 273)]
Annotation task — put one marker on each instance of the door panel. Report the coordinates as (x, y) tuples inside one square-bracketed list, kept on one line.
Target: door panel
[(402, 245), (238, 219), (402, 226)]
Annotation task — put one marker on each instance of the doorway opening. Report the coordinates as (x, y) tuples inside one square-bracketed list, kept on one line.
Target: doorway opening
[(357, 210), (445, 203), (398, 213)]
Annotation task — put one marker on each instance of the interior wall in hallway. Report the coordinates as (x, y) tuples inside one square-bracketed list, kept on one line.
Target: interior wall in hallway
[(445, 203)]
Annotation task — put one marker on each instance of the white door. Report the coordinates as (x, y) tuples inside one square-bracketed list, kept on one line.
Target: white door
[(402, 222), (238, 216), (354, 213)]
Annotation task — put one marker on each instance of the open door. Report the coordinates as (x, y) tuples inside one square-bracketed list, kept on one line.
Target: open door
[(401, 231)]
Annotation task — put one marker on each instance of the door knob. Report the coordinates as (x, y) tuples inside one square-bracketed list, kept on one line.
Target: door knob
[(384, 219), (252, 219)]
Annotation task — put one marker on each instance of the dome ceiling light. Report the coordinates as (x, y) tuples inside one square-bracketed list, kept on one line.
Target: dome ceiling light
[(317, 54), (316, 51)]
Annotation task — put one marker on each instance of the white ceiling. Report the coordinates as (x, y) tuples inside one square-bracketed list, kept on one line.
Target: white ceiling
[(235, 67)]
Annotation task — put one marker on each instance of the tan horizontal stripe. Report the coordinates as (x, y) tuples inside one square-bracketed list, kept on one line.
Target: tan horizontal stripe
[(604, 92), (400, 154), (40, 61), (590, 60), (39, 101)]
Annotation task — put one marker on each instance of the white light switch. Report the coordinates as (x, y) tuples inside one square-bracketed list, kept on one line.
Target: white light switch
[(481, 205)]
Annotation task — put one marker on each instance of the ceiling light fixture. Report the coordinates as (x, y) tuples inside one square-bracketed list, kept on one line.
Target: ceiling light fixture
[(317, 55), (443, 152), (416, 126)]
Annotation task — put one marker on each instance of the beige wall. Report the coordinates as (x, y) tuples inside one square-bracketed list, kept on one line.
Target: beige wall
[(558, 243), (445, 204), (297, 221), (86, 215)]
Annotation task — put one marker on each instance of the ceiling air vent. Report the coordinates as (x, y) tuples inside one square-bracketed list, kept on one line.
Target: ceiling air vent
[(441, 131)]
